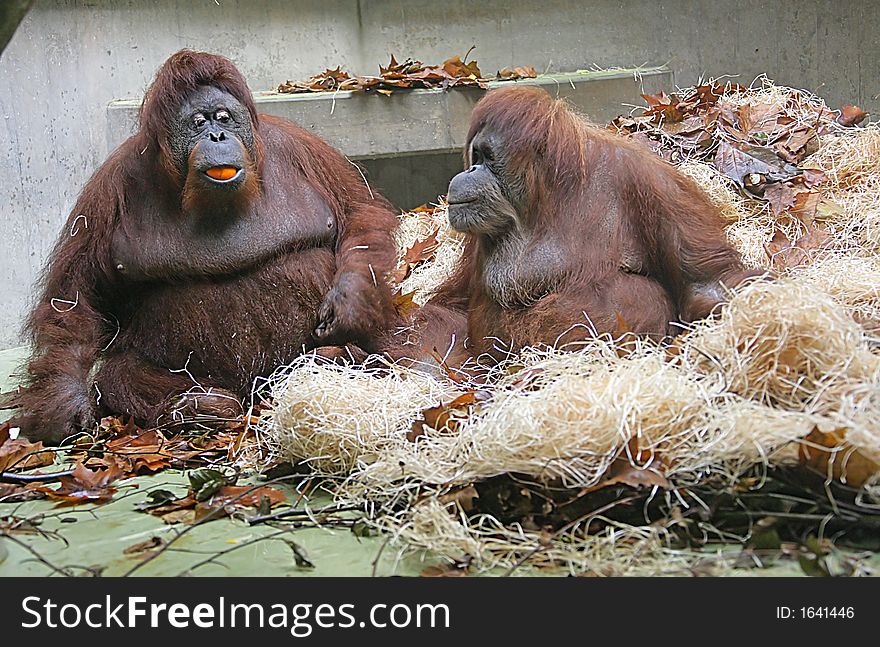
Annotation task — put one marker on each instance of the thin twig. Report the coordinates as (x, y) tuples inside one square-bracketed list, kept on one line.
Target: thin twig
[(213, 514), (296, 512), (9, 477), (40, 558)]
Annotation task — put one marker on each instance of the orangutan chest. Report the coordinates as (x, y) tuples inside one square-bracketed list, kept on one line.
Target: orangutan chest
[(163, 244)]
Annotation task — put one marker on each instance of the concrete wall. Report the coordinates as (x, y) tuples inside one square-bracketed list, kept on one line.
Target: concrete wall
[(69, 59)]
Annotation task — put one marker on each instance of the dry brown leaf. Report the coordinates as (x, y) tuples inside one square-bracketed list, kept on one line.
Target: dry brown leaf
[(14, 493), (707, 95), (812, 177), (636, 468), (142, 451), (462, 497), (740, 163), (799, 144), (419, 252), (148, 545), (805, 206), (228, 498), (244, 496), (851, 115), (785, 255), (445, 570), (687, 127), (526, 72), (403, 75), (404, 304), (456, 67), (625, 473), (445, 417), (183, 503), (20, 454), (186, 516), (327, 81), (665, 107), (830, 454), (827, 209), (759, 118), (422, 250), (782, 196), (84, 486)]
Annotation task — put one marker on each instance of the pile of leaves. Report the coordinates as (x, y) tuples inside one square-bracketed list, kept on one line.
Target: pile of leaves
[(761, 141), (767, 515), (18, 455), (118, 450), (212, 493), (772, 514), (418, 254), (410, 74), (515, 471), (796, 496)]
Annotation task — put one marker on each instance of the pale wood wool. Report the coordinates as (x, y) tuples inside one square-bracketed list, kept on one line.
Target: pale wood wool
[(781, 359)]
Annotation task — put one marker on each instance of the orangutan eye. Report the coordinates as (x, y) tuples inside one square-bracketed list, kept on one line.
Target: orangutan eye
[(481, 154), (222, 116), (487, 152), (199, 120)]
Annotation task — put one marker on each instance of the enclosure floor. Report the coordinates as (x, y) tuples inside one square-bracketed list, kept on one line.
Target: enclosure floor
[(94, 537), (97, 535)]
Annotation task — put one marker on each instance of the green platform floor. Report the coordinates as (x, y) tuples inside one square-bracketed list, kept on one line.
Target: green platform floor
[(91, 539)]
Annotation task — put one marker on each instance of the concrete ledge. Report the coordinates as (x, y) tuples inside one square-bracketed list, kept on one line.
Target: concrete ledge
[(412, 122)]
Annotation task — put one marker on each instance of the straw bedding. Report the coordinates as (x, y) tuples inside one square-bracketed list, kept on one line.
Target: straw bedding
[(786, 364)]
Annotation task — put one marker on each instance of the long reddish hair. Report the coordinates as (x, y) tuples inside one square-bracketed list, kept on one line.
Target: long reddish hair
[(571, 174)]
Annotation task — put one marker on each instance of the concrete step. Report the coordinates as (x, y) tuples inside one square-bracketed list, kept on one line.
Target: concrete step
[(419, 122)]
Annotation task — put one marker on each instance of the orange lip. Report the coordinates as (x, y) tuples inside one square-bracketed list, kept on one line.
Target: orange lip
[(221, 172)]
